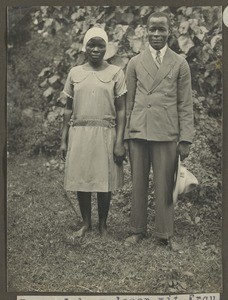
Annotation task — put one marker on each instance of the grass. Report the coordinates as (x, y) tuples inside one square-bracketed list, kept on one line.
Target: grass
[(40, 257)]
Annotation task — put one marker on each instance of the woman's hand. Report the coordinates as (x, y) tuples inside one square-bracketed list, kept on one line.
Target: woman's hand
[(126, 146), (119, 154), (63, 151)]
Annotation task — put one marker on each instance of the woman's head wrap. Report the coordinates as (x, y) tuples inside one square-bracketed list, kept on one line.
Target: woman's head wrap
[(94, 32)]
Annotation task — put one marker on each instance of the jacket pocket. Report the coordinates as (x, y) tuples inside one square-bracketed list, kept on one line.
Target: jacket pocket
[(172, 119)]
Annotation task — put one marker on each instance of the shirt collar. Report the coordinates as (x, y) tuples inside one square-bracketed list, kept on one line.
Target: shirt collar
[(154, 52)]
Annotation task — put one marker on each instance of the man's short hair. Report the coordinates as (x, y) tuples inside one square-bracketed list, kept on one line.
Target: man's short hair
[(159, 14)]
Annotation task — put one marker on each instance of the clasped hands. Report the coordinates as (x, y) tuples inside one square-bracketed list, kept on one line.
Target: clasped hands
[(119, 154)]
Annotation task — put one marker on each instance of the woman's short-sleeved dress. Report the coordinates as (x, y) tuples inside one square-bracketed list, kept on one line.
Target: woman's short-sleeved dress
[(89, 164)]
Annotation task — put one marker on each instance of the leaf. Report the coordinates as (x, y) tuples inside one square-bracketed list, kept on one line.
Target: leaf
[(48, 23), (52, 116), (45, 34), (201, 32), (100, 16), (53, 79), (122, 9), (136, 44), (44, 9), (28, 112), (163, 8), (187, 217), (193, 23), (80, 58), (140, 32), (48, 92), (189, 274), (174, 282), (207, 51), (185, 43), (183, 285), (170, 283), (127, 17), (108, 18), (172, 290), (212, 80), (77, 15), (144, 10), (53, 161), (71, 52), (58, 27), (119, 31), (112, 49), (44, 72), (43, 83), (197, 220), (184, 26), (35, 22), (198, 30), (189, 11), (215, 40)]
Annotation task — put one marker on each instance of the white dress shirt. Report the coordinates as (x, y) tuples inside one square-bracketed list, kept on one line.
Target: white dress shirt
[(154, 52)]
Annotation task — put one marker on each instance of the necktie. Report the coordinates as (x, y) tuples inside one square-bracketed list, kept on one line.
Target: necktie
[(158, 58)]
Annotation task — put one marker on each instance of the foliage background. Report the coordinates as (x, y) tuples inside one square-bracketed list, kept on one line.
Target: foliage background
[(43, 44), (47, 42)]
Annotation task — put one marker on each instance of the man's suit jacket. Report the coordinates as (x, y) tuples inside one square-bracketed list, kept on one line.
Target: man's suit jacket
[(159, 101)]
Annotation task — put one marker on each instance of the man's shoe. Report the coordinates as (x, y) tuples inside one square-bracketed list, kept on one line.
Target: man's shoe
[(171, 244), (133, 239), (174, 246)]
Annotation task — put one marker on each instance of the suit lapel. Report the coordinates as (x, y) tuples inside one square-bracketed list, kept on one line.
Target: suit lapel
[(166, 66), (149, 64)]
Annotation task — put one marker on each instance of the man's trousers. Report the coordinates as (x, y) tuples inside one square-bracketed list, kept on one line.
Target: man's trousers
[(163, 157)]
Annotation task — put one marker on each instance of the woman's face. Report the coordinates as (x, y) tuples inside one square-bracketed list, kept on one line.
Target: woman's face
[(95, 49)]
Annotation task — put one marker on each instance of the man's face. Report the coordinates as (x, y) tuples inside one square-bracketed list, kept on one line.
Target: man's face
[(158, 32)]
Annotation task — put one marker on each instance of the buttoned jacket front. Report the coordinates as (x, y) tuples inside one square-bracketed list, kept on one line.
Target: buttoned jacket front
[(159, 101)]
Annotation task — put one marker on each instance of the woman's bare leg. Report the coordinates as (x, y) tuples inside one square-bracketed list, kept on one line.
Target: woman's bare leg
[(84, 199), (103, 209)]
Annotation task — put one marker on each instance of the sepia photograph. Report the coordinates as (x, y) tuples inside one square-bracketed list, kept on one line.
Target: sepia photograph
[(114, 149)]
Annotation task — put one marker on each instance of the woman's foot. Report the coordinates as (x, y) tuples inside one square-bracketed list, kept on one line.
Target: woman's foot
[(82, 231), (78, 234), (104, 232)]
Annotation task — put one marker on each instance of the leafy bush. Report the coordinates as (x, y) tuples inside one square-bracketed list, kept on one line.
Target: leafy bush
[(40, 64)]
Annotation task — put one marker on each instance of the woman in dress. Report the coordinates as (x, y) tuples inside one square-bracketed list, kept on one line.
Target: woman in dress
[(93, 127)]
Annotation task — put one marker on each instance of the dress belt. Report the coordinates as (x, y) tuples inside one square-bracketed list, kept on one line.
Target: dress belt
[(92, 122)]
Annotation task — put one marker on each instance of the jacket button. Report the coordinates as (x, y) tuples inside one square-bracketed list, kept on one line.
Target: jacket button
[(149, 105)]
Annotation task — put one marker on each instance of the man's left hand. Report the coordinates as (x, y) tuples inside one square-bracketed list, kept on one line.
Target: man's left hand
[(183, 149)]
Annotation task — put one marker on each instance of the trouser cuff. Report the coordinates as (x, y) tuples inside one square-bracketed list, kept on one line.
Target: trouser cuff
[(166, 235), (138, 230)]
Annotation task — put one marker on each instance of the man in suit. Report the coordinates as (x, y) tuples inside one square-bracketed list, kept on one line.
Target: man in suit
[(159, 127)]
